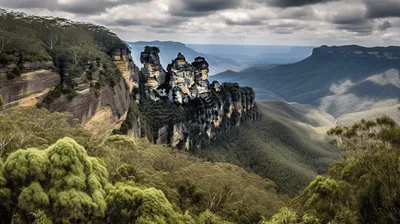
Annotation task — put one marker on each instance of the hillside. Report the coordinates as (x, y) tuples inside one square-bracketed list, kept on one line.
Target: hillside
[(287, 144), (100, 176), (338, 80), (350, 119), (169, 49)]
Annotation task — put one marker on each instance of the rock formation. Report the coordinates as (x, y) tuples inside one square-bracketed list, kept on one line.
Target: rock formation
[(191, 110), (42, 84), (178, 106), (153, 73)]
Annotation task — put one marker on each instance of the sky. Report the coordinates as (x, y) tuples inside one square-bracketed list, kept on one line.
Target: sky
[(250, 22)]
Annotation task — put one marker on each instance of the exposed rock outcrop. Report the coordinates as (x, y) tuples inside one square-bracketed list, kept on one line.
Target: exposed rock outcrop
[(203, 110), (41, 84), (29, 88), (85, 103)]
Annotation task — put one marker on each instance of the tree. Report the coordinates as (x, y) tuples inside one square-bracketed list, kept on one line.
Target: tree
[(52, 40), (289, 216), (2, 102), (4, 40), (23, 127), (208, 217), (128, 203), (364, 185), (62, 181)]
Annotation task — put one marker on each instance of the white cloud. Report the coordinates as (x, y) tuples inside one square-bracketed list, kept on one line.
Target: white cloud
[(239, 22)]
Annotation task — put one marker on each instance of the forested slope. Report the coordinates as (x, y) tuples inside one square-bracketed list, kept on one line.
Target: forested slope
[(287, 144), (85, 177)]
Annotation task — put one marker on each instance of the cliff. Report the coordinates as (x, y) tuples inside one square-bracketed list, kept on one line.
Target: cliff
[(89, 72), (354, 51), (41, 86), (180, 107), (65, 66)]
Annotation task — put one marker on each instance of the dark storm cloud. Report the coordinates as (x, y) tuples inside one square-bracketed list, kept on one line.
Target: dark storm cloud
[(195, 8), (287, 28), (349, 18), (294, 3), (243, 22), (156, 24), (363, 28), (298, 13), (382, 8), (23, 4), (384, 26), (210, 5), (84, 7)]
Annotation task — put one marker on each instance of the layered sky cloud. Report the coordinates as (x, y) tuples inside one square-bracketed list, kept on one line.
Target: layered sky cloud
[(271, 22)]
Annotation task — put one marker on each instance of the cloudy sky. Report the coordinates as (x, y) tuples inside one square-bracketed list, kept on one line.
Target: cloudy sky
[(266, 22)]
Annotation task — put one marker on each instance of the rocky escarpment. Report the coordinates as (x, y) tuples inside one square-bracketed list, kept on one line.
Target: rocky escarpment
[(180, 107), (90, 98), (354, 51), (65, 66), (29, 88), (42, 84)]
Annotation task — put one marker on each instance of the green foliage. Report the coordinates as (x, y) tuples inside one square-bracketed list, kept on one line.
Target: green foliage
[(329, 198), (289, 216), (31, 127), (154, 115), (274, 147), (189, 183), (60, 180), (57, 181), (285, 216), (41, 218), (128, 203), (2, 102), (208, 217), (362, 187), (5, 193), (133, 115)]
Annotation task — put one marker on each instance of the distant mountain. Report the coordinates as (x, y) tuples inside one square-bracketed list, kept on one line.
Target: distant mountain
[(169, 49), (256, 54), (337, 80)]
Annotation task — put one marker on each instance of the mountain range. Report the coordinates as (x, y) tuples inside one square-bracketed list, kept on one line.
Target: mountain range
[(225, 57), (337, 80)]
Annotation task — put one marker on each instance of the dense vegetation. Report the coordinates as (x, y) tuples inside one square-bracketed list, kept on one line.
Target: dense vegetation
[(275, 147), (362, 187), (79, 51), (54, 171)]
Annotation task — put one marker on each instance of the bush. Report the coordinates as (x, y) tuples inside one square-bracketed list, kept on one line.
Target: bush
[(2, 102), (60, 180), (14, 73)]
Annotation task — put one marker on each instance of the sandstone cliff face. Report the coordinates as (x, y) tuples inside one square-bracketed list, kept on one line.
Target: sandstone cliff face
[(29, 88), (203, 110), (40, 84), (86, 104)]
